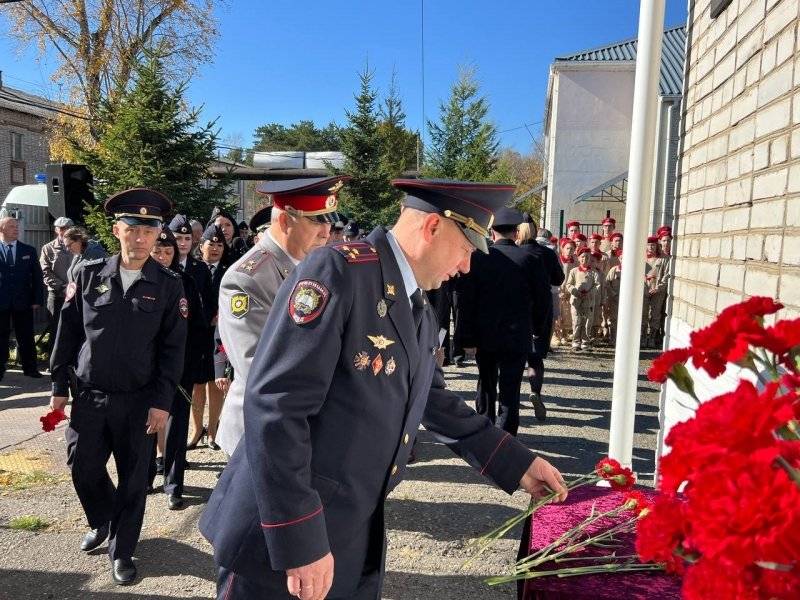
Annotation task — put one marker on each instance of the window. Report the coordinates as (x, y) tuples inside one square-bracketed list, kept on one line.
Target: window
[(16, 146)]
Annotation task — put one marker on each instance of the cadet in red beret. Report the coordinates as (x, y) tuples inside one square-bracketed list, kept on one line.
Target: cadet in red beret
[(563, 326), (656, 276), (582, 284), (580, 240), (609, 226), (573, 228)]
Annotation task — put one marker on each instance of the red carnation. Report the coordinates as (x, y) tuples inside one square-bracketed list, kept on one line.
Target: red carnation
[(607, 466), (51, 419), (662, 366), (636, 501), (661, 534), (624, 480)]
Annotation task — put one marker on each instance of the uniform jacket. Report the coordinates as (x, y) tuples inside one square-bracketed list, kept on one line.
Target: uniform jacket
[(198, 271), (505, 299), (656, 274), (246, 295), (582, 287), (332, 407), (122, 342), (55, 261), (94, 250), (21, 284), (195, 333), (613, 280)]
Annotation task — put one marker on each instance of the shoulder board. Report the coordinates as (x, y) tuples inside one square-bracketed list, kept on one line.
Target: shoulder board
[(94, 261), (357, 252), (253, 262), (169, 272)]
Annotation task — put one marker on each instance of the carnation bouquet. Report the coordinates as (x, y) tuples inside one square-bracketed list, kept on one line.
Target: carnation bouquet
[(726, 516)]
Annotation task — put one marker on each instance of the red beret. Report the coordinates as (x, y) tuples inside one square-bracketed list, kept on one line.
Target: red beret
[(664, 228), (565, 240), (553, 239), (571, 223), (652, 239), (582, 251), (616, 235), (609, 221), (580, 237), (596, 236), (664, 233)]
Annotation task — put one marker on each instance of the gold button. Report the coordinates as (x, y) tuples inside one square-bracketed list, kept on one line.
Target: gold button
[(394, 469), (405, 439)]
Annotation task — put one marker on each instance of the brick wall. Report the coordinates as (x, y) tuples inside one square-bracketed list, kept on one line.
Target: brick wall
[(35, 146), (739, 204)]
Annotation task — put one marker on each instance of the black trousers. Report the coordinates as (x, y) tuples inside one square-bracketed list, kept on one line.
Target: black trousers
[(103, 424), (175, 446), (536, 380), (505, 369), (54, 305), (22, 321)]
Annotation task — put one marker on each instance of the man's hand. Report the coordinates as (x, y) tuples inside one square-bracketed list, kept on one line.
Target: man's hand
[(156, 420), (223, 383), (542, 474), (311, 582), (58, 402)]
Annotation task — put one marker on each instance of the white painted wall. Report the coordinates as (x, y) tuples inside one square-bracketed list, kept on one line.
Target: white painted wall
[(588, 137)]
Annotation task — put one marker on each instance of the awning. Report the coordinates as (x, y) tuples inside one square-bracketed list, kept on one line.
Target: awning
[(613, 190)]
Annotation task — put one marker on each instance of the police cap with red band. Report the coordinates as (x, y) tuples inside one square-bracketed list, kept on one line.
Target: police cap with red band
[(312, 197)]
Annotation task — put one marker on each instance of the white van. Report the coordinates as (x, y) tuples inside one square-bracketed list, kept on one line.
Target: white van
[(28, 203)]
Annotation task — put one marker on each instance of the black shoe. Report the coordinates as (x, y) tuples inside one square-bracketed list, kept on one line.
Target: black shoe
[(539, 408), (159, 465), (150, 490), (175, 502), (94, 538), (123, 571), (213, 445), (34, 374), (193, 444)]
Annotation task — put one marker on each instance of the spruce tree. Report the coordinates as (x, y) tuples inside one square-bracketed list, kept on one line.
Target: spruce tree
[(464, 144), (150, 138), (368, 197)]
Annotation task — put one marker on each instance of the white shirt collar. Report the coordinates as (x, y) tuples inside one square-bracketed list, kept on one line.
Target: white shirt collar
[(409, 280)]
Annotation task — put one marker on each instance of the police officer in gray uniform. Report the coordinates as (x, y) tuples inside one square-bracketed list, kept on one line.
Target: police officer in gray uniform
[(249, 287), (343, 375)]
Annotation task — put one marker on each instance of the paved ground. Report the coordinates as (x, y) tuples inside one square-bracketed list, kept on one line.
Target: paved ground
[(430, 517)]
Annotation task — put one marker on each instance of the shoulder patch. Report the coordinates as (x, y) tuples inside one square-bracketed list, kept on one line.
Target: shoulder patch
[(71, 289), (240, 305), (357, 252), (307, 301), (252, 264)]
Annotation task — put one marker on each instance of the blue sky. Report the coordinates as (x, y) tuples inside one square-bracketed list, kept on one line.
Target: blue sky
[(284, 60)]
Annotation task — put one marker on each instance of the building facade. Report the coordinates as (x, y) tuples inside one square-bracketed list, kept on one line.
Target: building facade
[(738, 204), (588, 127)]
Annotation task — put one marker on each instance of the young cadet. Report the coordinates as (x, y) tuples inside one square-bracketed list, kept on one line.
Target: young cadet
[(656, 275), (609, 226), (340, 381), (124, 325), (611, 305), (573, 229), (582, 285), (568, 261)]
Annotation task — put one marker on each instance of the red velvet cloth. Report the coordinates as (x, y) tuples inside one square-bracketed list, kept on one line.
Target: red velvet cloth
[(552, 520)]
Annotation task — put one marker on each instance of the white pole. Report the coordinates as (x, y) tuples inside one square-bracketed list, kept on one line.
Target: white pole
[(637, 206)]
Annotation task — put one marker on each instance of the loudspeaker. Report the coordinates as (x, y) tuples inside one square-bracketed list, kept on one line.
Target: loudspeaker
[(68, 187)]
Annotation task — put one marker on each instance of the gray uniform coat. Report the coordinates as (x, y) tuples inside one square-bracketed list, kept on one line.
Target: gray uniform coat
[(246, 295)]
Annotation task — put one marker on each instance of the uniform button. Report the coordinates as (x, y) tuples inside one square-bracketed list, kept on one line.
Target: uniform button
[(394, 469), (405, 439)]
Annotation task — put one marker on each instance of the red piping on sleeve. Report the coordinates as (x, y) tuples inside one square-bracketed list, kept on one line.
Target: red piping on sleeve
[(491, 456), (294, 522)]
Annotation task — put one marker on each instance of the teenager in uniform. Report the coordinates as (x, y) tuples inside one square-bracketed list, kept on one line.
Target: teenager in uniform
[(582, 284)]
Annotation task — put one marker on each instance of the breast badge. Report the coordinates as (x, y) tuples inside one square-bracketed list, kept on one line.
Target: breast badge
[(183, 307), (361, 361), (102, 288), (308, 301), (381, 308), (390, 366), (380, 342), (377, 364), (240, 305)]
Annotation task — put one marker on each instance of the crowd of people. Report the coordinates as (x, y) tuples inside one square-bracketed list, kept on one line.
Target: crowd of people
[(317, 404)]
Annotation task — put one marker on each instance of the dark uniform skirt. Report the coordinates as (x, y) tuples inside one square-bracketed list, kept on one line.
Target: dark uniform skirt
[(205, 372)]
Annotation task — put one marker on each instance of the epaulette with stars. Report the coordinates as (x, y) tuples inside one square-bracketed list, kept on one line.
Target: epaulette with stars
[(357, 252), (250, 265)]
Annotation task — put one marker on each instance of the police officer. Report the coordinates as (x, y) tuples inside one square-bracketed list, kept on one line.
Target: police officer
[(260, 223), (340, 381), (124, 325), (501, 295), (301, 217), (181, 228), (351, 231)]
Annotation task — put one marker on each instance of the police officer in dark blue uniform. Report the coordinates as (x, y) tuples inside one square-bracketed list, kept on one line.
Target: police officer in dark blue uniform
[(181, 228), (499, 299), (124, 325), (339, 383)]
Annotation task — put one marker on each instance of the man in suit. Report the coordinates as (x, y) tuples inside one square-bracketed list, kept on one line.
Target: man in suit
[(339, 383), (21, 290), (503, 292), (301, 218)]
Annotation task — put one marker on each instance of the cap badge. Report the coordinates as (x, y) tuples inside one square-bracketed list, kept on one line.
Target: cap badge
[(381, 308), (377, 364), (380, 342), (143, 211), (361, 361), (390, 366), (330, 202), (336, 187)]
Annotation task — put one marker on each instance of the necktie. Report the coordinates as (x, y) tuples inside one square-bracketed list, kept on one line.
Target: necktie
[(9, 256), (417, 308)]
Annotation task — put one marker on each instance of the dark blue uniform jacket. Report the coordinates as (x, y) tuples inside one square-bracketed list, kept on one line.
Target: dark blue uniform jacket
[(331, 410), (21, 285)]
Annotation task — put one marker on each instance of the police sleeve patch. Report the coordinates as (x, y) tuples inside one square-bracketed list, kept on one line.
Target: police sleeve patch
[(307, 301), (70, 294), (240, 305)]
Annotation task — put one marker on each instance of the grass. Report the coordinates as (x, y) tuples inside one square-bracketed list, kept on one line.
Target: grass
[(28, 523), (10, 480)]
